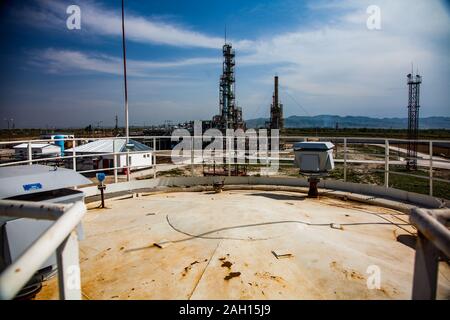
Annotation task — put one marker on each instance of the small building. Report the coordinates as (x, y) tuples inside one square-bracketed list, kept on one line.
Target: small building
[(103, 157), (38, 150)]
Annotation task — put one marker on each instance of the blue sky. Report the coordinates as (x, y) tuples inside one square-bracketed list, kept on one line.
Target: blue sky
[(327, 59)]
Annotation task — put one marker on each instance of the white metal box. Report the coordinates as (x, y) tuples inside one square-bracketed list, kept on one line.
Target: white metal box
[(314, 157)]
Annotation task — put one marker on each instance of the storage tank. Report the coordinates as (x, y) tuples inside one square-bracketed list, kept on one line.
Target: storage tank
[(60, 143)]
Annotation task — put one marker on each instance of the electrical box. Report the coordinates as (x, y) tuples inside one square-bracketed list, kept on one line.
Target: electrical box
[(314, 157)]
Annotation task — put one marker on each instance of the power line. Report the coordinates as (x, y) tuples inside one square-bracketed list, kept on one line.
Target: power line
[(295, 101)]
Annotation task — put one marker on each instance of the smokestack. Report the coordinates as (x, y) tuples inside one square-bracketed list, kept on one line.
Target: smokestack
[(275, 95)]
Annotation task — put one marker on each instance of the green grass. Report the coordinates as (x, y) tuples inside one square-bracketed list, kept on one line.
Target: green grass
[(171, 173), (366, 132), (358, 174)]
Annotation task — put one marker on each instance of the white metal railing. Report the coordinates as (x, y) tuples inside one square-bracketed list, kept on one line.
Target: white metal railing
[(60, 237), (433, 241), (386, 159)]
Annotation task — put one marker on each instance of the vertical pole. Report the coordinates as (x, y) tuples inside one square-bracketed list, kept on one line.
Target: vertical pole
[(127, 133), (115, 161), (431, 168), (425, 269), (154, 158), (386, 163), (229, 155), (102, 194), (67, 256), (30, 154), (128, 166), (74, 159), (345, 159), (192, 156)]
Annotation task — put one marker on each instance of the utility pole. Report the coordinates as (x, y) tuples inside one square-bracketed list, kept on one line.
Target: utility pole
[(127, 133)]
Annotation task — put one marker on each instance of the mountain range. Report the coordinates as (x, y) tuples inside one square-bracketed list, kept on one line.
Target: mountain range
[(329, 121)]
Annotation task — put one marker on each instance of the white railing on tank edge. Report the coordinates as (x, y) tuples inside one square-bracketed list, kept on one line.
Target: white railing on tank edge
[(60, 237), (346, 141), (433, 242)]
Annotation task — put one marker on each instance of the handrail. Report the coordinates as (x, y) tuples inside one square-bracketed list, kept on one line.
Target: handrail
[(206, 136), (426, 162), (433, 241), (58, 237), (427, 222)]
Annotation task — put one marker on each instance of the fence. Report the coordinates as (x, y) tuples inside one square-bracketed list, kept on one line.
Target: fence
[(433, 236), (349, 153)]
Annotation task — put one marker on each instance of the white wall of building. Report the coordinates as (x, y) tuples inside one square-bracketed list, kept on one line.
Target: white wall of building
[(137, 160)]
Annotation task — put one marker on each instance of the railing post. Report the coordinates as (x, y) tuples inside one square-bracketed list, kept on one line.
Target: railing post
[(228, 150), (345, 159), (67, 256), (30, 153), (267, 156), (425, 269), (115, 161), (74, 159), (386, 163), (154, 158), (128, 162), (192, 156), (431, 168)]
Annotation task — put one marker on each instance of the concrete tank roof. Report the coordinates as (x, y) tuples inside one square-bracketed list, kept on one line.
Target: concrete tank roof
[(245, 245)]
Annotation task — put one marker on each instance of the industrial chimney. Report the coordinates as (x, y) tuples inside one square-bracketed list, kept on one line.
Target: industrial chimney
[(276, 109)]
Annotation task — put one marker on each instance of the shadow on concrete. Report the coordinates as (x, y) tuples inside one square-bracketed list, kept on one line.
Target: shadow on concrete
[(277, 196), (408, 240)]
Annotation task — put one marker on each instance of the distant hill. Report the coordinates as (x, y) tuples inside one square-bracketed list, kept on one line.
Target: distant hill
[(329, 121)]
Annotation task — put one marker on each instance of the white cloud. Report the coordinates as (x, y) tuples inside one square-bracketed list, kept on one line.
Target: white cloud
[(357, 67), (340, 67), (59, 61), (98, 20)]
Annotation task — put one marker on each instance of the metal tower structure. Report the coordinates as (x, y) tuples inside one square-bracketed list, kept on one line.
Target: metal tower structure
[(230, 116), (276, 109), (414, 82), (227, 81)]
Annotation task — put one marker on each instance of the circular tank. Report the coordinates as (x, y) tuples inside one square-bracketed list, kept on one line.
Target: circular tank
[(60, 143)]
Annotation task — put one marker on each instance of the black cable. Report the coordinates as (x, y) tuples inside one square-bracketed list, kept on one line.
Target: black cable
[(203, 235), (296, 102)]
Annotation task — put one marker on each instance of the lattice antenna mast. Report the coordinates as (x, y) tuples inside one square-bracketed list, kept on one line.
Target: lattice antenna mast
[(414, 82)]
